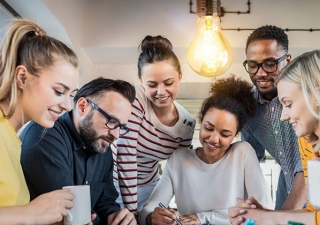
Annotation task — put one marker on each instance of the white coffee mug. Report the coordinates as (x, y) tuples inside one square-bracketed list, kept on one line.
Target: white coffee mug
[(80, 213), (314, 182)]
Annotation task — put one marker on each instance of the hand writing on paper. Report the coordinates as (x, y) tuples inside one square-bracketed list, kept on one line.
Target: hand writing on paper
[(162, 216)]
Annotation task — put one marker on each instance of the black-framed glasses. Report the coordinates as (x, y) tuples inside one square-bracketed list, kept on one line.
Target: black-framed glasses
[(111, 123), (269, 66)]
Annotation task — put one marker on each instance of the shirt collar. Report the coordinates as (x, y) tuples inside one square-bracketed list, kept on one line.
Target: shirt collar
[(66, 119), (260, 99)]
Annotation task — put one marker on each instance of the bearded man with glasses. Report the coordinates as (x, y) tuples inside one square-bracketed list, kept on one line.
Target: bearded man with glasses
[(267, 54), (76, 151)]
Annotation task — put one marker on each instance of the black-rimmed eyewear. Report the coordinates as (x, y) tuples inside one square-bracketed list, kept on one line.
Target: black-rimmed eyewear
[(111, 123), (268, 66)]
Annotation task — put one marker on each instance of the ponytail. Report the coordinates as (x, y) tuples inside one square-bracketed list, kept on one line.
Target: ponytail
[(27, 44)]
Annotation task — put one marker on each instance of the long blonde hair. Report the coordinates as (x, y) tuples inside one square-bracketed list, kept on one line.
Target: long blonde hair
[(304, 71), (27, 44)]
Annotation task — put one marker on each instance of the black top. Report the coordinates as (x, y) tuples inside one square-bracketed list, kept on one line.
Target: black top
[(57, 157)]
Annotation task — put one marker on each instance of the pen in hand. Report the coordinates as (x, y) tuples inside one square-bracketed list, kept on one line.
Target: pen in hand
[(177, 221)]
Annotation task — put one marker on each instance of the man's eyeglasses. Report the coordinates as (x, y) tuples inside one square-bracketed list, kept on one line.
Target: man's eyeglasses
[(269, 66), (111, 123)]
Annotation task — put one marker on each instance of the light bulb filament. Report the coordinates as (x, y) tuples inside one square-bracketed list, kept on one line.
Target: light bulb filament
[(209, 53)]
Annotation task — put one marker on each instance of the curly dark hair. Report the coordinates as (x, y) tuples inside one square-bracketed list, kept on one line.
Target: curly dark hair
[(269, 32), (156, 49), (234, 95)]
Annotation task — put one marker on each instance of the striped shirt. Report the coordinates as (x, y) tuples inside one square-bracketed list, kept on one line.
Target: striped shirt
[(148, 142), (265, 131)]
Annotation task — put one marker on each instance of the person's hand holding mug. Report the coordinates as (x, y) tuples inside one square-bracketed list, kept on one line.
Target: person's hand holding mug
[(50, 207)]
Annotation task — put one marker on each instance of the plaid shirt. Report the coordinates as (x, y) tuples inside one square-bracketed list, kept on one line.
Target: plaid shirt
[(265, 131)]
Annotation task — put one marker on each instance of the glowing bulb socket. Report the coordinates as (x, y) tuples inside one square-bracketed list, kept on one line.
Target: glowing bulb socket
[(209, 53)]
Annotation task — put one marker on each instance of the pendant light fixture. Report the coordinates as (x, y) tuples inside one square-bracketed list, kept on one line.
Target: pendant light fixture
[(209, 53)]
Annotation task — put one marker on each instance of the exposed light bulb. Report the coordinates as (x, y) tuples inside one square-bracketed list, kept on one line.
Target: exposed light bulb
[(209, 53)]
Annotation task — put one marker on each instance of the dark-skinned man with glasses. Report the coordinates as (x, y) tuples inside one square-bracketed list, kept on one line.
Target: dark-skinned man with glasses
[(267, 54), (76, 151)]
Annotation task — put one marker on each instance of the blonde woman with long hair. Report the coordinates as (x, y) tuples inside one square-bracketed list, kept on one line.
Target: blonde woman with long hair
[(298, 91), (37, 77)]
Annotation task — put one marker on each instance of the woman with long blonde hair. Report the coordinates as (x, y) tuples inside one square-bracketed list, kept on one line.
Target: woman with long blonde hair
[(298, 91), (37, 77)]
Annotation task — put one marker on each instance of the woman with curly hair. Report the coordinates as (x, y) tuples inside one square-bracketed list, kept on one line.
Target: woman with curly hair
[(206, 181)]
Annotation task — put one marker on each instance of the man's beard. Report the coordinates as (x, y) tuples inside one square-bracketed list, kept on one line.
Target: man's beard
[(89, 135), (273, 92), (268, 93)]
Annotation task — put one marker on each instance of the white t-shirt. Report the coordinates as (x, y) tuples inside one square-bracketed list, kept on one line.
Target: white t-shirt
[(209, 190)]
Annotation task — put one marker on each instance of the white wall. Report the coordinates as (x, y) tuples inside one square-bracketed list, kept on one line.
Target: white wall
[(106, 33)]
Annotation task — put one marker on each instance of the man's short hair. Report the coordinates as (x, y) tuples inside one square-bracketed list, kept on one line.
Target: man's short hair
[(269, 32), (99, 86)]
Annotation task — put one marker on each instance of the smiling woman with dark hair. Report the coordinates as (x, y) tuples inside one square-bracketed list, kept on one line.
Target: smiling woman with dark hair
[(206, 181), (158, 124)]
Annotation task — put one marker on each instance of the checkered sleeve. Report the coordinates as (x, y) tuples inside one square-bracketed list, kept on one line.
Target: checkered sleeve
[(246, 135)]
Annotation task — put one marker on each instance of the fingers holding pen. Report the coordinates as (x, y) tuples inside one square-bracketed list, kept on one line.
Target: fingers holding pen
[(163, 216), (168, 213)]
